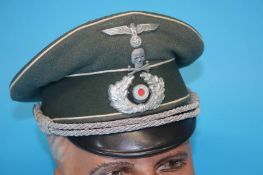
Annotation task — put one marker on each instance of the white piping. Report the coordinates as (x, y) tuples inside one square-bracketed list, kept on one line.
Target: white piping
[(117, 70), (114, 114), (88, 25)]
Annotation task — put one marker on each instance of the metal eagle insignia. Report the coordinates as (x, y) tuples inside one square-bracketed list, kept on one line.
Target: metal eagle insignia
[(133, 30), (144, 96)]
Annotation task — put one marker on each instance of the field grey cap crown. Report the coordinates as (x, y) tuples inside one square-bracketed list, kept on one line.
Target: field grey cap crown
[(99, 80)]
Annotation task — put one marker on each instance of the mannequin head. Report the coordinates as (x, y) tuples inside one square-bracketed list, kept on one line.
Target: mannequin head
[(73, 160)]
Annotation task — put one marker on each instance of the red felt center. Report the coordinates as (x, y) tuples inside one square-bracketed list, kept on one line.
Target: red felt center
[(141, 92)]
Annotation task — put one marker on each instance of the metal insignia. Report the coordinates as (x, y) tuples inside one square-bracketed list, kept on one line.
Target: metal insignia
[(119, 91), (132, 30), (143, 97)]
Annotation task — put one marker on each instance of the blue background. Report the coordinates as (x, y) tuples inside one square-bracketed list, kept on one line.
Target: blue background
[(228, 77)]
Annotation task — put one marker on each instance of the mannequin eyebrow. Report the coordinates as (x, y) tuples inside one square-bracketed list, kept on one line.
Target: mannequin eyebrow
[(101, 168)]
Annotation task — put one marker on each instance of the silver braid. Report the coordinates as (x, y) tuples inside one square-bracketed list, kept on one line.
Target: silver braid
[(48, 126)]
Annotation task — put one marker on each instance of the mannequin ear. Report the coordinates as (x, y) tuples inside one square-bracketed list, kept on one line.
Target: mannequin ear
[(58, 146), (57, 172)]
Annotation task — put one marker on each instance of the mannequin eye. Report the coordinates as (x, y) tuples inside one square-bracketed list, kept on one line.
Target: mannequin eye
[(172, 165), (113, 168), (117, 172)]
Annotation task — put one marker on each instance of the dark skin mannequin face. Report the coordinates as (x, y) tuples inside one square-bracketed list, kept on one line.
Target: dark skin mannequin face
[(74, 161)]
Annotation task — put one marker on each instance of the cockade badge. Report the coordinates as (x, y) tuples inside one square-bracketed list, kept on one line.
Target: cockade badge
[(126, 96)]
